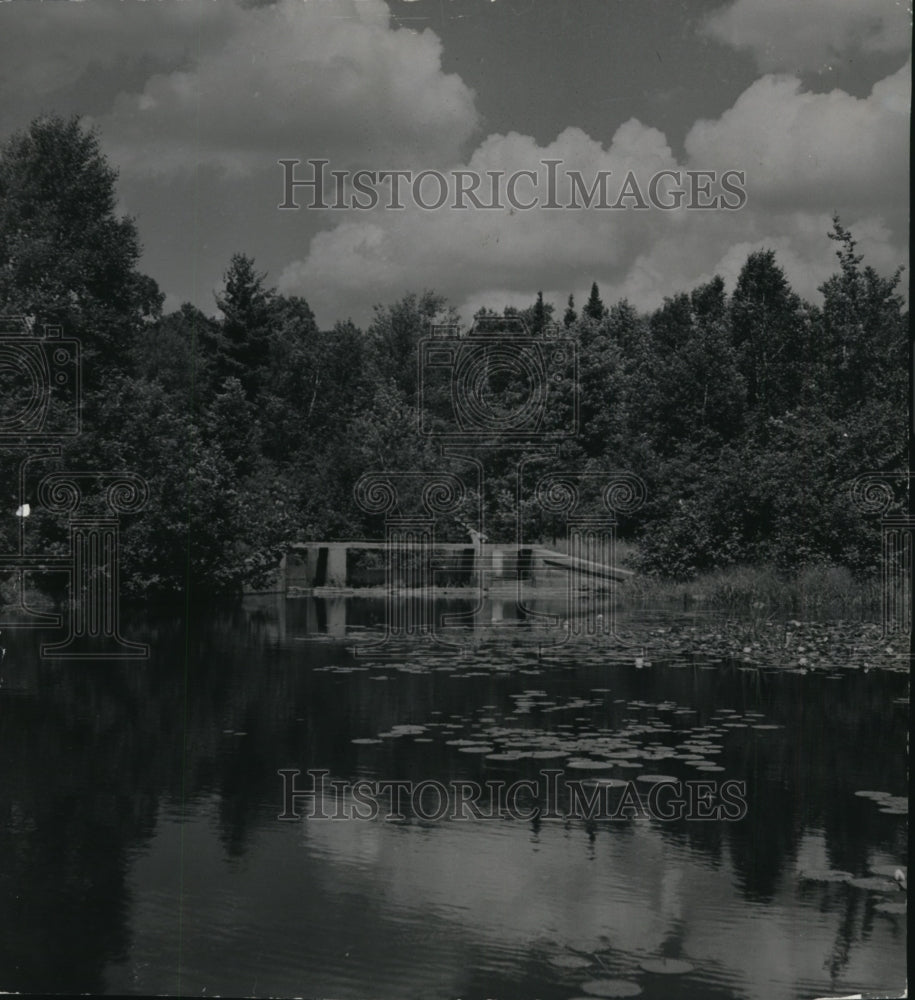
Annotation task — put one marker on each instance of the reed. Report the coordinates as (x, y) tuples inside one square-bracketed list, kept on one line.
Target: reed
[(762, 591)]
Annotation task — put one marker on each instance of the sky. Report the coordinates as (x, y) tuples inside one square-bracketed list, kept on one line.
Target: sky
[(196, 101)]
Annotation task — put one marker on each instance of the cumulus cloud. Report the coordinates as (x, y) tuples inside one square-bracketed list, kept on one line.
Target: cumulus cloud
[(461, 251), (792, 35), (810, 151), (805, 156), (297, 80), (232, 87), (56, 54)]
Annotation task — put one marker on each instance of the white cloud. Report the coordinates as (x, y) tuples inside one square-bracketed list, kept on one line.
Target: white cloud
[(805, 155), (460, 252), (807, 151), (807, 34), (329, 79), (231, 88)]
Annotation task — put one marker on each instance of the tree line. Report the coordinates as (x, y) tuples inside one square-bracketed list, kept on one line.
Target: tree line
[(746, 414)]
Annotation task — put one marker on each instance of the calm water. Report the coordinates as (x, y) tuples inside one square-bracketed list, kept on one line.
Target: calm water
[(140, 850)]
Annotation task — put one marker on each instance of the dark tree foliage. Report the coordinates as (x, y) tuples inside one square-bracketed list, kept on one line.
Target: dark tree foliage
[(539, 318), (594, 307), (65, 256), (769, 334), (394, 334), (570, 315), (247, 309), (747, 415)]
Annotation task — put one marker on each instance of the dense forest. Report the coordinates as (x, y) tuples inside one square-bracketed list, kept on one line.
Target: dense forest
[(746, 414)]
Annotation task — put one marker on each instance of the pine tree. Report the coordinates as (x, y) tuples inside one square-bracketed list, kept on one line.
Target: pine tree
[(570, 315), (539, 316), (594, 308), (247, 309)]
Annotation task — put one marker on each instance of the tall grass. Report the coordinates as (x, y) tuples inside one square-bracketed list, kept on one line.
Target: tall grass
[(762, 591), (758, 590)]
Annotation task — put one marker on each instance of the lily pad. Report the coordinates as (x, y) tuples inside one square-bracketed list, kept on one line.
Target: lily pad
[(612, 988), (825, 875), (570, 962), (667, 966), (656, 778), (365, 741)]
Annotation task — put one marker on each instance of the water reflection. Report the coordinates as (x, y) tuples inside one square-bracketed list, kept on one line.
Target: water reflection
[(141, 850)]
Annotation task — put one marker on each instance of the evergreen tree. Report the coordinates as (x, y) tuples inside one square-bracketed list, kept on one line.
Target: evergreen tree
[(247, 309), (570, 315), (594, 307), (536, 317), (539, 317)]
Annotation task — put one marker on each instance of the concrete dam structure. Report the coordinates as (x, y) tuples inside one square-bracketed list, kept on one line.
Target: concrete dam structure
[(345, 565)]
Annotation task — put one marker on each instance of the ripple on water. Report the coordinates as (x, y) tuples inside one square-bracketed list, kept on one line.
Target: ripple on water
[(891, 909), (667, 966)]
